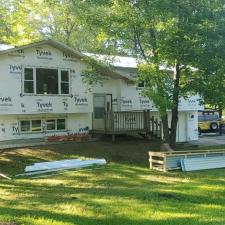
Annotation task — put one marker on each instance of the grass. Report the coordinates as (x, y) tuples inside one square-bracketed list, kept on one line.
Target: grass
[(124, 192)]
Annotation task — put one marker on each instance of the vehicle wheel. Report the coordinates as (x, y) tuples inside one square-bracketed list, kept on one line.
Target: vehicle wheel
[(214, 126), (199, 131)]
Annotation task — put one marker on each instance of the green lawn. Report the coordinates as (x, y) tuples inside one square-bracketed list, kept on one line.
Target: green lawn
[(124, 192)]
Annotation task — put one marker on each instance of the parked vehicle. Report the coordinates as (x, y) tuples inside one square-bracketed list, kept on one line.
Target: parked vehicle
[(208, 121)]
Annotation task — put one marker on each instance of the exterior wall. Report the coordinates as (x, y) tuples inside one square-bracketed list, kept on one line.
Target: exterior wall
[(75, 124), (12, 99), (77, 106)]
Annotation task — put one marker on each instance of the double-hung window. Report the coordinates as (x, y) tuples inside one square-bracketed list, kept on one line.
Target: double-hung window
[(29, 80), (46, 81), (64, 81)]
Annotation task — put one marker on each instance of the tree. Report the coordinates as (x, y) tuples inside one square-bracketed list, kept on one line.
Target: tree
[(17, 23), (166, 36), (25, 21), (209, 79)]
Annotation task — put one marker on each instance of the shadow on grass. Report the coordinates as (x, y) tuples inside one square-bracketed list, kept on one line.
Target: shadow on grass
[(109, 191), (124, 192), (131, 152), (112, 220)]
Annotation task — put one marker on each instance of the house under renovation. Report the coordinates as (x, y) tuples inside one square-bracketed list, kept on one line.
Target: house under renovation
[(42, 94)]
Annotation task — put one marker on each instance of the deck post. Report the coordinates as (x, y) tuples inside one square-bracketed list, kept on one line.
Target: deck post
[(153, 125), (157, 128), (150, 161), (105, 118), (113, 137), (112, 120), (145, 117), (93, 121)]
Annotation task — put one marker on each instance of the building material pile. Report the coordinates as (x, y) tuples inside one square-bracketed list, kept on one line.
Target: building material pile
[(165, 161), (211, 162), (47, 167)]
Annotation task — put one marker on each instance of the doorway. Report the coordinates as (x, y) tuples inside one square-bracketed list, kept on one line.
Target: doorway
[(102, 104)]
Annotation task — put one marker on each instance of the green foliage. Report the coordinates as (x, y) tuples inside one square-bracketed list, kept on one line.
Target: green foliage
[(210, 81), (25, 21), (158, 86), (92, 75), (17, 26), (174, 33)]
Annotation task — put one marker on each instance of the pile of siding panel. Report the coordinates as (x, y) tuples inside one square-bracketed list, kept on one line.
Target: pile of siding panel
[(47, 167), (203, 163)]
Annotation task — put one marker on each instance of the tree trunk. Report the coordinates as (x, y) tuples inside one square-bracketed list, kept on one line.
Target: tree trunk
[(220, 118), (166, 133), (174, 119)]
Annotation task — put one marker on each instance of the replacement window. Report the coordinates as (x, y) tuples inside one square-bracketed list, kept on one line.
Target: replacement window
[(56, 124), (46, 81), (30, 126)]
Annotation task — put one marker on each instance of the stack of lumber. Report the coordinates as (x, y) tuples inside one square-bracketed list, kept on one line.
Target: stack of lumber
[(165, 161)]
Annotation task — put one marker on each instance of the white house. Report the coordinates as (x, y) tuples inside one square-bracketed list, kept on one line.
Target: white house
[(42, 94)]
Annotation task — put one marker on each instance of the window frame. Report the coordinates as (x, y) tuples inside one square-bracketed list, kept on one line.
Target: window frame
[(140, 87), (63, 82), (56, 124), (30, 130), (35, 80), (24, 80), (43, 125)]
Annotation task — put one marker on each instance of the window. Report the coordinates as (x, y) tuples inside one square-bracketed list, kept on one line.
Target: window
[(35, 125), (25, 125), (61, 124), (30, 126), (50, 124), (99, 107), (64, 82), (141, 84), (46, 81), (56, 124), (28, 80)]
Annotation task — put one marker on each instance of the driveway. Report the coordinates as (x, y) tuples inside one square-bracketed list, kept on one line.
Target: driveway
[(209, 140)]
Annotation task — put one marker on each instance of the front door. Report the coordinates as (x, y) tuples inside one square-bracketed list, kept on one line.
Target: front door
[(102, 104)]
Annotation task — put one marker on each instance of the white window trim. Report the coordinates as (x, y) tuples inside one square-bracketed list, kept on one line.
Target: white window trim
[(43, 121), (23, 80), (30, 131), (60, 80), (35, 81), (55, 119)]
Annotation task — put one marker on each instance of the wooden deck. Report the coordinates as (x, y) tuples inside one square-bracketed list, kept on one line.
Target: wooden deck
[(130, 122)]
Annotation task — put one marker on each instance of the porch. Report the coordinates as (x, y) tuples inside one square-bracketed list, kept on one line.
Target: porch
[(128, 122)]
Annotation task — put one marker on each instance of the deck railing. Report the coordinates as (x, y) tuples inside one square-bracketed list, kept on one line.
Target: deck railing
[(132, 121)]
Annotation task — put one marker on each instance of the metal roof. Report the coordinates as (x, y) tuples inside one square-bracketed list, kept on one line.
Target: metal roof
[(5, 47), (116, 61)]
